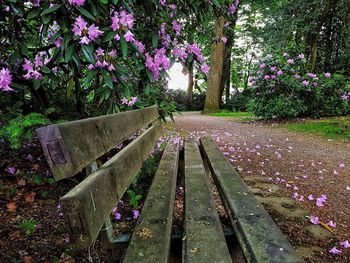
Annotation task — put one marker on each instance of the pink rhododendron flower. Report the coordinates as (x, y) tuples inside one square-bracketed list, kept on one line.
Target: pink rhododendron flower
[(305, 83), (94, 32), (348, 188), (36, 3), (266, 77), (331, 224), (58, 42), (310, 198), (327, 75), (335, 251), (301, 56), (135, 214), (177, 28), (77, 2), (315, 220), (224, 40), (5, 79), (11, 170), (205, 68), (117, 216), (290, 61), (129, 37), (280, 73), (273, 68), (345, 244)]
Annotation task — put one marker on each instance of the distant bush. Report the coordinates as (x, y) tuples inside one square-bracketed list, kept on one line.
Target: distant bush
[(239, 101), (180, 98), (283, 88)]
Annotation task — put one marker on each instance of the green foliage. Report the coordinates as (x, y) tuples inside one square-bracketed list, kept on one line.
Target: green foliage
[(180, 98), (19, 128), (8, 191), (41, 180), (285, 89), (28, 226), (134, 198)]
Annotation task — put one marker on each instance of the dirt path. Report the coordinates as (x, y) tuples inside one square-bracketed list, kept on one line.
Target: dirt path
[(284, 169)]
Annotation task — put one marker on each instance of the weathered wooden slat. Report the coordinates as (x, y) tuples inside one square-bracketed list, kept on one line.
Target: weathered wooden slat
[(260, 238), (150, 241), (204, 240), (70, 146), (88, 205)]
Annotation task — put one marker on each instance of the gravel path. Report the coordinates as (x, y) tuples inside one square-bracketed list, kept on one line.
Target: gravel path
[(292, 165)]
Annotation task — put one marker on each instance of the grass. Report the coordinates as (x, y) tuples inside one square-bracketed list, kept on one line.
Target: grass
[(244, 116), (333, 128)]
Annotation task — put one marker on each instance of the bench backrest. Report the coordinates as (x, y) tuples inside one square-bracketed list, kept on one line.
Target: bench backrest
[(71, 146)]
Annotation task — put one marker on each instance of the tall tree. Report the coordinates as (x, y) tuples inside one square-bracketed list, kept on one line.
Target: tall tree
[(212, 99)]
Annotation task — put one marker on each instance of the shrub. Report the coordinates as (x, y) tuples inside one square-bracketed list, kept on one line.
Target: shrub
[(284, 88), (19, 128)]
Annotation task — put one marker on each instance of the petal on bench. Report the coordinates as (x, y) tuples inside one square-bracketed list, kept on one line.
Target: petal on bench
[(260, 238), (204, 240), (151, 239)]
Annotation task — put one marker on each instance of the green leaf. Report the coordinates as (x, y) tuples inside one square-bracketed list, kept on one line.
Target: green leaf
[(216, 3), (33, 13), (89, 77), (155, 40), (24, 50), (69, 52), (107, 77), (123, 46), (109, 36), (51, 9), (46, 19), (150, 75), (85, 13), (36, 84), (88, 53), (115, 2), (104, 1), (45, 70), (140, 66), (15, 55), (70, 86)]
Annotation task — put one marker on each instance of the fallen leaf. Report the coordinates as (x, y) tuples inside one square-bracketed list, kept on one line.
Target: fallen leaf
[(35, 167), (195, 250), (144, 233), (15, 235), (59, 242), (27, 259), (21, 182), (30, 197), (11, 207)]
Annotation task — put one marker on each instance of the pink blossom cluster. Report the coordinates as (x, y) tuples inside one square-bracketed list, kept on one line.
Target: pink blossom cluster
[(103, 60), (86, 34), (33, 69), (77, 2), (158, 62), (346, 96), (130, 102), (5, 79), (122, 20)]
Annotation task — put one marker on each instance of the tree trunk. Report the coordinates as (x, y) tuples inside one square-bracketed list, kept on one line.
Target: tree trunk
[(212, 99), (226, 70), (190, 85)]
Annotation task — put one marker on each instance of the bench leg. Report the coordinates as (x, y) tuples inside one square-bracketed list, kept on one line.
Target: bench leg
[(113, 249)]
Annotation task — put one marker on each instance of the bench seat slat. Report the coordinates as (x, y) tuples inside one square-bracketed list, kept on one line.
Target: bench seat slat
[(204, 240), (69, 147), (259, 237), (157, 213), (90, 203)]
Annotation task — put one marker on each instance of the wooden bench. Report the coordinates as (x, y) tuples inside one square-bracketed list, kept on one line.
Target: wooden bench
[(71, 146)]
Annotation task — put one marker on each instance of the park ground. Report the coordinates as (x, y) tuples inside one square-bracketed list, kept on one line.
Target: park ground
[(282, 166)]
